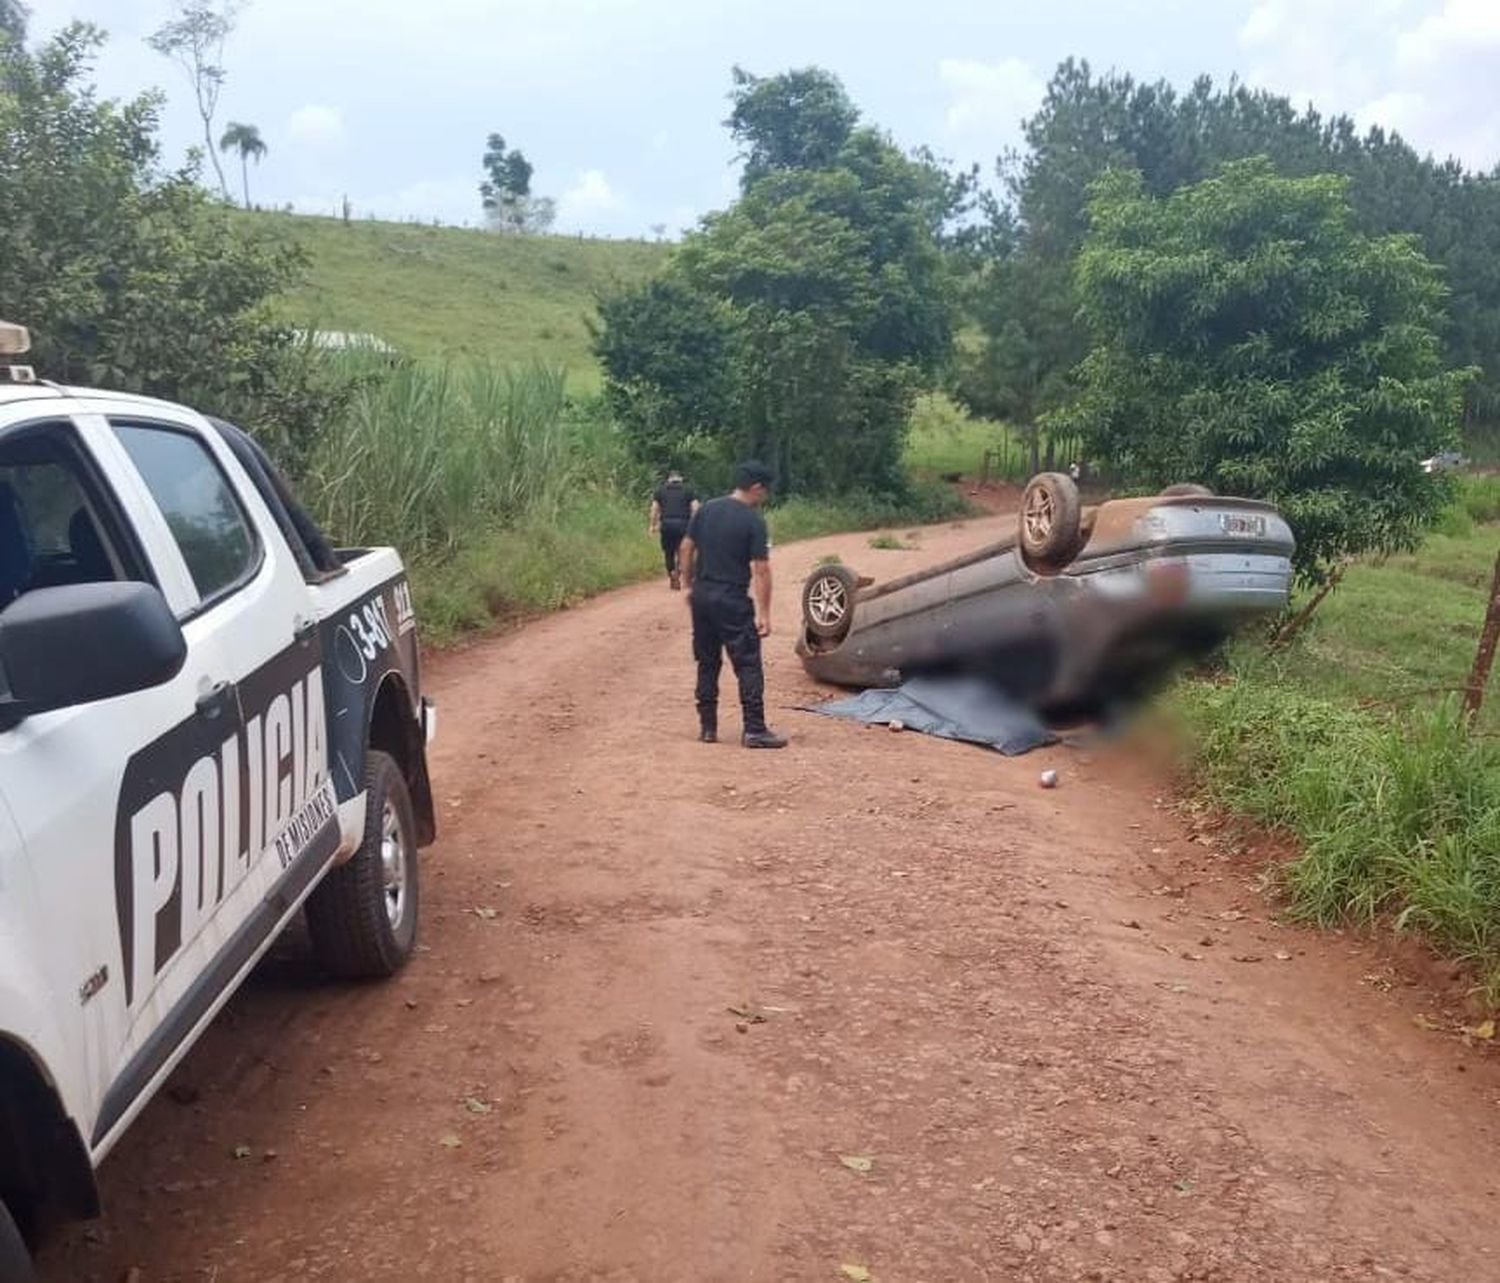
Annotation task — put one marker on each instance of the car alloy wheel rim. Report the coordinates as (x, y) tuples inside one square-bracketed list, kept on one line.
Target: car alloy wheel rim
[(828, 602), (1038, 516), (393, 865)]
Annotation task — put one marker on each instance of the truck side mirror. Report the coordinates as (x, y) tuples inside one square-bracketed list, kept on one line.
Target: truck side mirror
[(60, 647)]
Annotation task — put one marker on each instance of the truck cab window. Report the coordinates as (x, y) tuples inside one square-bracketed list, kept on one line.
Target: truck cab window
[(205, 517), (51, 532)]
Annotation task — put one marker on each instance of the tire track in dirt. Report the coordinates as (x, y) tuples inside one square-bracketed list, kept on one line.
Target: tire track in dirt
[(1022, 1007)]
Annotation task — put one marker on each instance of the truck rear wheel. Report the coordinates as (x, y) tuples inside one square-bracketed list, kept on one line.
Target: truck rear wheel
[(363, 916), (1051, 522), (15, 1260)]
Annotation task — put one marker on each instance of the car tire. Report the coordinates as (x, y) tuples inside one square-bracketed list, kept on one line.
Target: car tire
[(363, 916), (1051, 522), (828, 602), (15, 1260), (1188, 488)]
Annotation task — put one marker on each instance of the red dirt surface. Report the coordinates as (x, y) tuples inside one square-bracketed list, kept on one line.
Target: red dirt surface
[(877, 1002)]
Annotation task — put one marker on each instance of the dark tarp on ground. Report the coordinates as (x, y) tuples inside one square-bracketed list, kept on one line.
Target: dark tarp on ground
[(956, 708)]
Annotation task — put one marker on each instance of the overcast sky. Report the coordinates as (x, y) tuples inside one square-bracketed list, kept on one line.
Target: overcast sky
[(618, 103)]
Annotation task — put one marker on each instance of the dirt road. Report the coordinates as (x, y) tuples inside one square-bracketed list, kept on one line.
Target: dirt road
[(984, 1032)]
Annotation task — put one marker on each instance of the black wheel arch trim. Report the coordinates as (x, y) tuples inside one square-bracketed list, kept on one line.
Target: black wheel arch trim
[(43, 1159)]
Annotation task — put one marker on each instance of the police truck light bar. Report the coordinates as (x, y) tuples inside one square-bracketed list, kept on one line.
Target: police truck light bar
[(14, 341)]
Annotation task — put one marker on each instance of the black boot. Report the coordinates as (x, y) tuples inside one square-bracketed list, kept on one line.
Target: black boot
[(708, 729), (763, 738)]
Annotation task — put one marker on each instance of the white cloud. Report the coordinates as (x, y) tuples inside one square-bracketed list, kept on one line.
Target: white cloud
[(589, 200), (1460, 29), (1428, 69), (316, 126), (989, 99), (1263, 25), (1400, 110)]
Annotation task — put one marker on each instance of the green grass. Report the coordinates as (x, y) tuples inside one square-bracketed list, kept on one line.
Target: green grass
[(944, 439), (1353, 742), (809, 518), (451, 291), (430, 454), (538, 564), (1397, 818), (1396, 635)]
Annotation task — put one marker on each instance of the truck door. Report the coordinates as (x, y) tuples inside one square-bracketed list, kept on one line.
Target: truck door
[(268, 635), (99, 924)]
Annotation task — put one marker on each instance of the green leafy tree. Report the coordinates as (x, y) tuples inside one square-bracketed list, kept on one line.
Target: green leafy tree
[(666, 347), (13, 18), (1247, 335), (1089, 123), (797, 120), (828, 292), (246, 140), (505, 193), (195, 40), (132, 278)]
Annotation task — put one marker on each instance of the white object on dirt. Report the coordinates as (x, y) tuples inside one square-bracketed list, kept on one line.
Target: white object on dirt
[(896, 724), (1048, 779)]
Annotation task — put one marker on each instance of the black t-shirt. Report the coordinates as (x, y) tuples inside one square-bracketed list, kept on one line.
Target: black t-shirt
[(675, 499), (728, 535)]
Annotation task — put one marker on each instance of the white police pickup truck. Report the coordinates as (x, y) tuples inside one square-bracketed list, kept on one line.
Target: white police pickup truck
[(208, 719)]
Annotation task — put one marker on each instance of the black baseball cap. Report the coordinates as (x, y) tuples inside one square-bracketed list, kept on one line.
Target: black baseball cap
[(753, 473)]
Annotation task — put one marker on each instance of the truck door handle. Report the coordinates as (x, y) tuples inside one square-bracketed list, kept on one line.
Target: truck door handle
[(216, 701), (304, 630)]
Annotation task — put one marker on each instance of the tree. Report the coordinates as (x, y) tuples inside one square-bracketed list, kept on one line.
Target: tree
[(1028, 343), (1245, 334), (133, 278), (1089, 123), (667, 349), (13, 18), (797, 120), (506, 195), (246, 140), (824, 289), (195, 40)]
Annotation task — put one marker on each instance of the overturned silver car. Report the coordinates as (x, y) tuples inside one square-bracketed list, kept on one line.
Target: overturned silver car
[(1079, 609)]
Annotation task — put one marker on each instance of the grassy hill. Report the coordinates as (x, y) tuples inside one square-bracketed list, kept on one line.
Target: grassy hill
[(434, 290)]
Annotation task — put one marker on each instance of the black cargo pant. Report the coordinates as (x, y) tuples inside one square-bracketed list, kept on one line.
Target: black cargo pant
[(724, 620), (672, 535)]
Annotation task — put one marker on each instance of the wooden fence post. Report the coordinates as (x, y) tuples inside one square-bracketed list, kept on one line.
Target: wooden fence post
[(1484, 657)]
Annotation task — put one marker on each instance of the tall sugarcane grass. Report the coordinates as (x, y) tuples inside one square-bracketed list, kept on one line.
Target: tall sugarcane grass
[(430, 456)]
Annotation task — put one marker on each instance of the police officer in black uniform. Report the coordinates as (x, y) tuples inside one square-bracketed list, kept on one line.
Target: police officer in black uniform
[(672, 507), (726, 558)]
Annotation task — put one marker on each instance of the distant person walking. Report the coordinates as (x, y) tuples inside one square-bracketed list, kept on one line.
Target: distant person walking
[(672, 507), (726, 558)]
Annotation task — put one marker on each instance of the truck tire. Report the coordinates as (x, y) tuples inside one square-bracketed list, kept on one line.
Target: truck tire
[(363, 915), (15, 1260), (828, 602), (1188, 488), (1051, 522)]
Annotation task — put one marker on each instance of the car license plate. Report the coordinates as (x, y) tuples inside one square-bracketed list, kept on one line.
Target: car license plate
[(1244, 524)]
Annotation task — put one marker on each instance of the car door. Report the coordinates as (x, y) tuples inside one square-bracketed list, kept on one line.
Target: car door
[(74, 512)]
